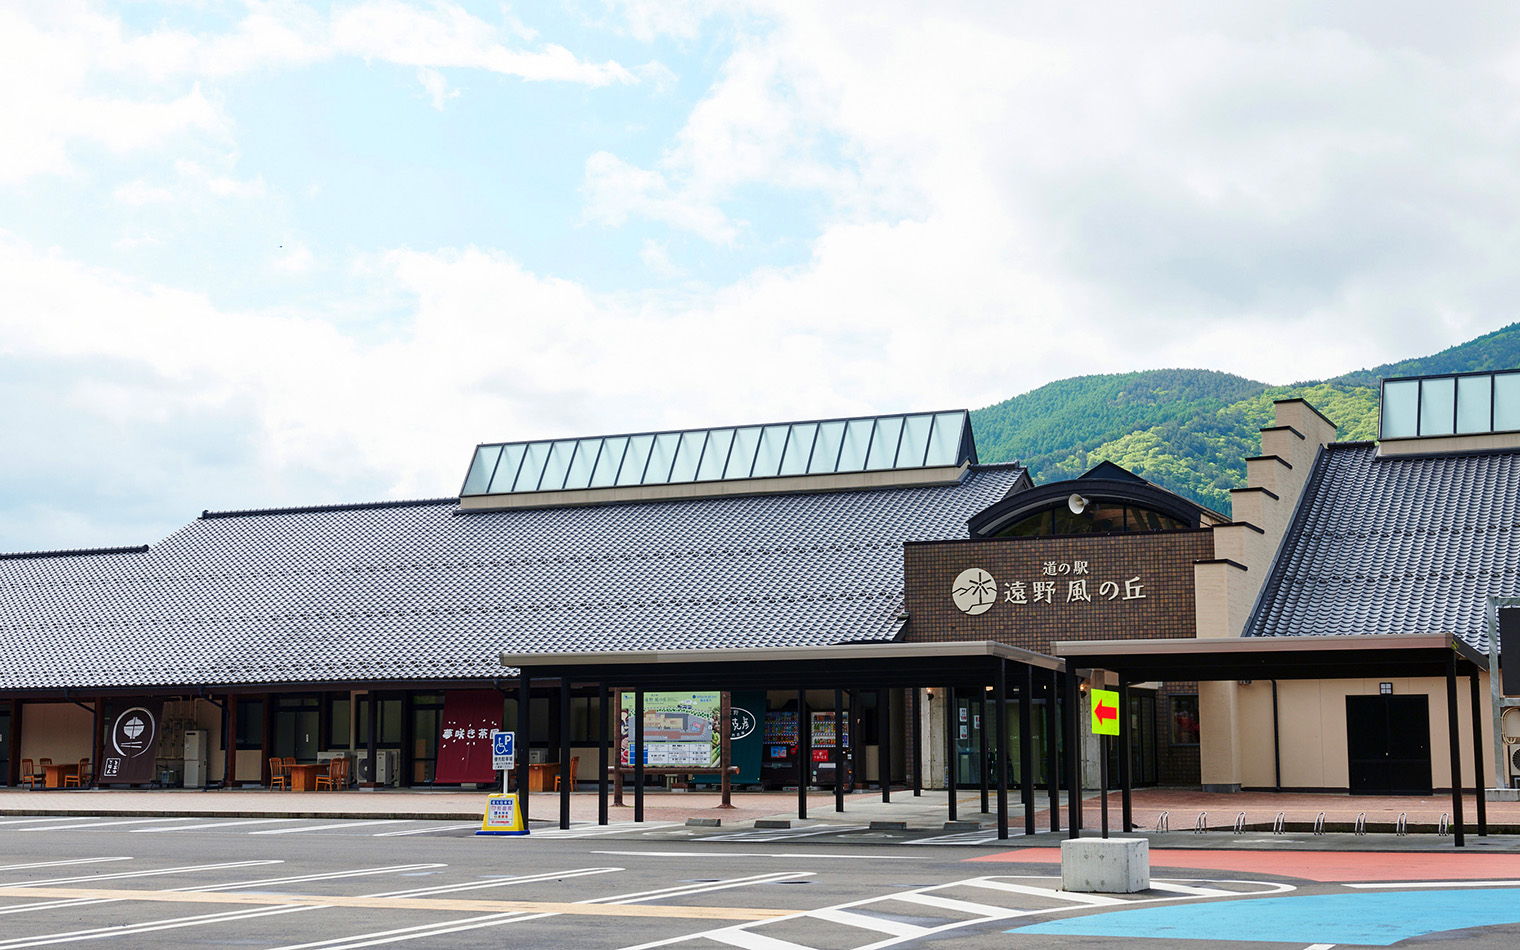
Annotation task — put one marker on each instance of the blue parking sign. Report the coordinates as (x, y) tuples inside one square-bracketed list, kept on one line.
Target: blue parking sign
[(502, 750)]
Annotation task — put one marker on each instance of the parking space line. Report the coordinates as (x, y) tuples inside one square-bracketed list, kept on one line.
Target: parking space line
[(344, 824), (423, 831), (848, 918), (33, 821), (596, 831), (215, 824), (54, 864), (103, 824), (151, 872)]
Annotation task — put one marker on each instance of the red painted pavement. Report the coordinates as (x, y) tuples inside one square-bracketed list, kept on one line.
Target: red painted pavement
[(1328, 868)]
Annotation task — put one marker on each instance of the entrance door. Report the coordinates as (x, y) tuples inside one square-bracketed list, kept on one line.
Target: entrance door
[(1388, 744), (296, 726)]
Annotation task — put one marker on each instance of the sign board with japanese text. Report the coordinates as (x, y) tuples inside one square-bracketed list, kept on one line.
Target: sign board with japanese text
[(503, 750), (678, 730), (503, 816), (1031, 591)]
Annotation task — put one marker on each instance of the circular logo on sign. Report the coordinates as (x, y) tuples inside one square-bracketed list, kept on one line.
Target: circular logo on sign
[(134, 732), (974, 591), (741, 722)]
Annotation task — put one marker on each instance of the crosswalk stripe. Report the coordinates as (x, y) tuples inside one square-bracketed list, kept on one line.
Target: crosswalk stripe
[(750, 940), (215, 824), (963, 907), (893, 928), (1093, 899), (422, 831), (346, 824), (102, 824)]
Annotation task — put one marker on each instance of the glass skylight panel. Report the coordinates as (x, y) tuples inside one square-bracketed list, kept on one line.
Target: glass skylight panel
[(1474, 402), (884, 441), (1401, 401), (558, 465), (532, 469), (635, 459), (915, 441), (731, 454), (741, 459), (857, 441), (826, 448), (582, 464), (772, 444), (945, 444), (687, 457), (507, 468), (608, 461), (799, 448), (1438, 399), (1506, 402), (715, 455), (661, 457), (481, 470)]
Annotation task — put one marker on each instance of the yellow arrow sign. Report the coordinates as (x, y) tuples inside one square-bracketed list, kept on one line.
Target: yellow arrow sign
[(1105, 712)]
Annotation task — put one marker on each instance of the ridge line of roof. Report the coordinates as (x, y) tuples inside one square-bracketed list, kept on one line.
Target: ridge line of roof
[(744, 425), (74, 552), (308, 509)]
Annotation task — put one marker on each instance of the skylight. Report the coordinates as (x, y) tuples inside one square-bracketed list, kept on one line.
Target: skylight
[(786, 449)]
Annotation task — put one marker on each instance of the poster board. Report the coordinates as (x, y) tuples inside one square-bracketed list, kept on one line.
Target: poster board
[(678, 730)]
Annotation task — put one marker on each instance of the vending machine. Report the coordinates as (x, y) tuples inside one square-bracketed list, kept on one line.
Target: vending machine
[(778, 759), (825, 737)]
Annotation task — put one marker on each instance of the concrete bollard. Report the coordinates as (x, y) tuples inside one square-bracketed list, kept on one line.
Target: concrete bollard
[(1106, 865)]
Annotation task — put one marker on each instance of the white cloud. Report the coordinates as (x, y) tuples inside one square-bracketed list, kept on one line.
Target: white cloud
[(656, 257), (445, 34), (293, 258), (614, 190), (437, 86)]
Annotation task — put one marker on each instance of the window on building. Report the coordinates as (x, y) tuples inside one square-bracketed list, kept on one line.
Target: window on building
[(1096, 518), (1185, 719), (250, 724)]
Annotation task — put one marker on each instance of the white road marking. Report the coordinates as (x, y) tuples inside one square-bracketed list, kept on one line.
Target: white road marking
[(783, 834), (423, 831), (616, 828), (502, 882), (154, 872), (103, 824), (1411, 885), (949, 903), (217, 824), (52, 864), (1094, 900), (33, 821), (171, 923), (358, 941), (758, 854), (1319, 946), (867, 922), (345, 824)]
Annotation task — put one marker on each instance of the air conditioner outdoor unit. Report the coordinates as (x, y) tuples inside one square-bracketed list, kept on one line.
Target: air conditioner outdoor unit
[(1514, 763), (388, 767), (333, 754)]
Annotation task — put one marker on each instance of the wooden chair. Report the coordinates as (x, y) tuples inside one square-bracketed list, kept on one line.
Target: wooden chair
[(575, 761), (30, 778), (279, 775), (336, 777), (81, 778)]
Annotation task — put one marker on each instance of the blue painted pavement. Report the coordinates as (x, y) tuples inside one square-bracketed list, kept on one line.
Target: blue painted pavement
[(1376, 918)]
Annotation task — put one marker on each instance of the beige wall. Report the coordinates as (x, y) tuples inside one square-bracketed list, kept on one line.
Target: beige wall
[(1312, 723), (58, 731)]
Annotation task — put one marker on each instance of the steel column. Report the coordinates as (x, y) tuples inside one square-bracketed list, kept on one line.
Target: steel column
[(884, 742), (1455, 741), (839, 758), (1000, 701), (1026, 748), (638, 754), (804, 752), (564, 753), (1126, 779), (950, 747), (603, 743), (1477, 747)]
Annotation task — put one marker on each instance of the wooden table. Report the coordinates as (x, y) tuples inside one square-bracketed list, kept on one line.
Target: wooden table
[(541, 776), (303, 778), (53, 774)]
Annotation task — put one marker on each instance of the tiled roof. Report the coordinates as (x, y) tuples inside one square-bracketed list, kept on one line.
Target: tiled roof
[(1398, 544), (420, 592)]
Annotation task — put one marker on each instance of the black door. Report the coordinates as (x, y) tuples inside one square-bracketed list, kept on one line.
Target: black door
[(1388, 744)]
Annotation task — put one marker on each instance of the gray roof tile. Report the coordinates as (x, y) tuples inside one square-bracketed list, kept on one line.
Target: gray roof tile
[(1398, 544), (417, 591)]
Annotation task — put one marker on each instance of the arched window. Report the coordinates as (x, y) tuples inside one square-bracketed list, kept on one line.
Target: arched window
[(1099, 517)]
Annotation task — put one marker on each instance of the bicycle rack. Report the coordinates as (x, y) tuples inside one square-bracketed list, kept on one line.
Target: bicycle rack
[(1240, 823), (1401, 827), (1444, 827), (1361, 823), (1202, 824), (1278, 823), (1164, 822), (1319, 823)]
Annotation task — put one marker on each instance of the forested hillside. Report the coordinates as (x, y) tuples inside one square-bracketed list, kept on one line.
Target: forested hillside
[(1190, 430)]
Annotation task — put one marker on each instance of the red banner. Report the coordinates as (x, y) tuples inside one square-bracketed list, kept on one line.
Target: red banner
[(464, 748)]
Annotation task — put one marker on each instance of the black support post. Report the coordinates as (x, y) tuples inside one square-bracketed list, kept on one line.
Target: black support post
[(1477, 747), (1052, 750), (804, 753), (1073, 744), (603, 750), (981, 753), (638, 755), (522, 740), (564, 753), (839, 757), (1126, 780), (1026, 748), (884, 742), (1455, 741), (1000, 702), (950, 747)]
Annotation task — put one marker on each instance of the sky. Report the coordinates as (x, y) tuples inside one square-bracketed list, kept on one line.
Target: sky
[(269, 253)]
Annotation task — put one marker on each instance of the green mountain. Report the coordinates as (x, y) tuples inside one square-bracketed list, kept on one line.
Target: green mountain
[(1190, 430)]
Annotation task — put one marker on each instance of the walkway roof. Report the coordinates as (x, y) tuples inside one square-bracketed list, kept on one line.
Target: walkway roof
[(1283, 658)]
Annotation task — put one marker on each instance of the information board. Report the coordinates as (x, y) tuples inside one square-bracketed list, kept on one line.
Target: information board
[(678, 730)]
